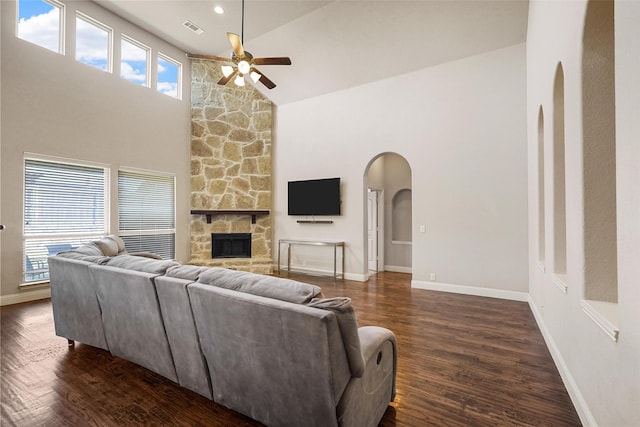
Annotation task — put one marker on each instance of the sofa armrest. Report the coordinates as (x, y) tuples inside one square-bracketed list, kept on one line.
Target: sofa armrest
[(372, 338), (365, 399)]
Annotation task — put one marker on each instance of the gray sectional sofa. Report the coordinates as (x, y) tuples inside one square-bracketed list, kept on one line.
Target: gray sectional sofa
[(273, 349)]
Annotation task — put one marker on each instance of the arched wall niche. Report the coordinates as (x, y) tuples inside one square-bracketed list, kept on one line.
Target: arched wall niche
[(541, 204), (599, 153), (559, 177), (387, 173), (401, 206)]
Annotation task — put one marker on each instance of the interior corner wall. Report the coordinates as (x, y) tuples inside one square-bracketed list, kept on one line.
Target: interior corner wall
[(54, 105), (602, 376), (462, 128)]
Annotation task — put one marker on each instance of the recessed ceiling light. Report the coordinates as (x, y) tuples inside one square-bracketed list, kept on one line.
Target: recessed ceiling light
[(219, 10)]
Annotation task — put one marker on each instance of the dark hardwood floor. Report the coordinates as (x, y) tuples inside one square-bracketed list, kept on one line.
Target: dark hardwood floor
[(463, 361)]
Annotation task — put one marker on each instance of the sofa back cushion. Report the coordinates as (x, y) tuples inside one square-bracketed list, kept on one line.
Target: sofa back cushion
[(348, 325), (267, 357), (257, 284), (146, 265), (186, 272)]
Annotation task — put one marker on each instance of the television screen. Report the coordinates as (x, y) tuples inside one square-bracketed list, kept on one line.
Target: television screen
[(314, 197)]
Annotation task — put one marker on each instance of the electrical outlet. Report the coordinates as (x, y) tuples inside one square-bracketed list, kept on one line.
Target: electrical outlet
[(433, 276)]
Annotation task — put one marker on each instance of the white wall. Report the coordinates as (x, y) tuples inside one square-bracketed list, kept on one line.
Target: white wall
[(602, 376), (53, 105), (461, 126)]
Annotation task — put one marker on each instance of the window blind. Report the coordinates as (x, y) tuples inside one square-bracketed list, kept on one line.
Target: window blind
[(146, 212), (64, 206)]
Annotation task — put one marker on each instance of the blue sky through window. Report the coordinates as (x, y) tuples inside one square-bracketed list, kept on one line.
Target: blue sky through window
[(134, 60), (39, 23), (92, 44), (168, 77), (29, 8)]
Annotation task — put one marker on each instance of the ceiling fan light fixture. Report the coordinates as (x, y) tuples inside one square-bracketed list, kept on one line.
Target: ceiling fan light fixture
[(244, 67), (226, 70), (255, 76), (239, 80)]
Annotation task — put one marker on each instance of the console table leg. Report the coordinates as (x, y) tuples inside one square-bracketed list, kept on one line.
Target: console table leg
[(335, 253)]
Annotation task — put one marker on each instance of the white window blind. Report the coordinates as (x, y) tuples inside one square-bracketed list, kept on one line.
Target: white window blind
[(64, 206), (146, 212)]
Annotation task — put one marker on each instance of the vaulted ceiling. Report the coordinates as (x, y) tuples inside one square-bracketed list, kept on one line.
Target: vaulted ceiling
[(337, 44)]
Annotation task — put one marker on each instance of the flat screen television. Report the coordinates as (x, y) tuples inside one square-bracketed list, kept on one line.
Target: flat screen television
[(314, 197)]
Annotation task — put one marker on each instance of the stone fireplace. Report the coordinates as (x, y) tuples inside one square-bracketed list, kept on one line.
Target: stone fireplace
[(230, 169)]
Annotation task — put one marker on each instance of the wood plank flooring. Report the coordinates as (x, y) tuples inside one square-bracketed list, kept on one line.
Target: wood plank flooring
[(463, 361)]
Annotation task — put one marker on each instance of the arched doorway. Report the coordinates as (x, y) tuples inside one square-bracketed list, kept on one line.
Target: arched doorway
[(388, 213)]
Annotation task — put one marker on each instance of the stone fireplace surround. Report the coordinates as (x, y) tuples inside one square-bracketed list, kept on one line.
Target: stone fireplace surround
[(230, 168)]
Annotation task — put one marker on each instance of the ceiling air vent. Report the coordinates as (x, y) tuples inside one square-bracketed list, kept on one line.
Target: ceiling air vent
[(193, 27)]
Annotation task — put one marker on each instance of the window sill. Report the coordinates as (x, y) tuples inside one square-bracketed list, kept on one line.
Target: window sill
[(604, 314), (560, 280), (30, 285)]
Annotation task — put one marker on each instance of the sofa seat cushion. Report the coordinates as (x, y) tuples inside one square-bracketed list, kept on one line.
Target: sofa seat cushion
[(258, 284), (348, 326), (143, 264)]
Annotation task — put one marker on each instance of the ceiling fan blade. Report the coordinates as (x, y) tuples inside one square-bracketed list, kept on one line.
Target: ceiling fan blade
[(236, 44), (283, 60), (264, 79), (224, 80), (208, 57)]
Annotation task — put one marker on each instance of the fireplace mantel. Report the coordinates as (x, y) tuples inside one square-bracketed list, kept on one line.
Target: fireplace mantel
[(213, 212)]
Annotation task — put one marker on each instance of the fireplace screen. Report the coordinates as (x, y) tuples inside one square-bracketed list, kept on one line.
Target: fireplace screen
[(231, 245)]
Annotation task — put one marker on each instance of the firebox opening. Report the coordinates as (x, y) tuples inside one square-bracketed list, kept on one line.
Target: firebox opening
[(231, 245)]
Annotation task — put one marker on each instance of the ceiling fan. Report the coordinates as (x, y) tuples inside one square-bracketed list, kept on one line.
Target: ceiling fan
[(243, 62)]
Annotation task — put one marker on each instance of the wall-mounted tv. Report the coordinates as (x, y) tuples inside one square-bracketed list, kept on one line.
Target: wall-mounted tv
[(314, 197)]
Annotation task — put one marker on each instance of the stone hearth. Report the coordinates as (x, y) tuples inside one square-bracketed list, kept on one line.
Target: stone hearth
[(230, 167)]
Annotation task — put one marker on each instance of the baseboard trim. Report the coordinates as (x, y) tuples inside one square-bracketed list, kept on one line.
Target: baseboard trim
[(25, 296), (397, 269), (586, 417), (471, 290)]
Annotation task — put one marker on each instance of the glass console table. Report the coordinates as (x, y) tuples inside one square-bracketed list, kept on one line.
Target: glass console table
[(334, 245)]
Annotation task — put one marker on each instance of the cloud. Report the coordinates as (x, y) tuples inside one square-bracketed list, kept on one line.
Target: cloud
[(92, 44), (131, 52), (43, 30), (168, 88), (129, 72)]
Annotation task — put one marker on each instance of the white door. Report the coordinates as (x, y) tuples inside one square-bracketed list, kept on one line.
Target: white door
[(372, 229)]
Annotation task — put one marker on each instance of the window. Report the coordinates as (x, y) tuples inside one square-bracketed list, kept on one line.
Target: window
[(41, 22), (64, 207), (169, 76), (93, 43), (134, 61), (146, 212)]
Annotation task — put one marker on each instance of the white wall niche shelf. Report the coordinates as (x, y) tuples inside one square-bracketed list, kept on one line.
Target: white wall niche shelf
[(604, 314), (560, 280)]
